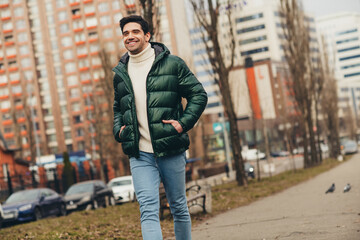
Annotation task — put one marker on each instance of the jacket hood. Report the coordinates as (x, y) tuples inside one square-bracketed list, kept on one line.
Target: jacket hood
[(160, 51)]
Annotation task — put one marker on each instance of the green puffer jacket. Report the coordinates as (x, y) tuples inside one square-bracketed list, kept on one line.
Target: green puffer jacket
[(168, 81)]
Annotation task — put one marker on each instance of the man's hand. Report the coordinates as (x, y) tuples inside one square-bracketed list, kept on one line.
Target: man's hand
[(121, 129), (175, 124)]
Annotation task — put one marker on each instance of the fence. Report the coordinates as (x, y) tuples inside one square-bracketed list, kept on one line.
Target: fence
[(49, 178)]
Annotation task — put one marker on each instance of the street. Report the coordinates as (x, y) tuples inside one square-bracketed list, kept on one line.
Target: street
[(301, 212)]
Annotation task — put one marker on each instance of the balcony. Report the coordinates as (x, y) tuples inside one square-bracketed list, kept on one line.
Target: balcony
[(87, 1), (13, 69), (83, 69), (82, 55), (5, 5), (7, 122), (79, 43), (76, 16), (89, 14), (5, 18), (9, 135), (74, 4), (4, 97)]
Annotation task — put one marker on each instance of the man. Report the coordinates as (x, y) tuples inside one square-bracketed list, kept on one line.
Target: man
[(151, 124)]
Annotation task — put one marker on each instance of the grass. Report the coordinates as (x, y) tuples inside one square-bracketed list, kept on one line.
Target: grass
[(123, 221)]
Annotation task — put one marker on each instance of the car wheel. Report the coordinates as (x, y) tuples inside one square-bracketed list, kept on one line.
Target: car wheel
[(37, 214), (62, 210), (95, 204)]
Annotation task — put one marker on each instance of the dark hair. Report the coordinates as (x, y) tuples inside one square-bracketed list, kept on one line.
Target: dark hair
[(137, 19)]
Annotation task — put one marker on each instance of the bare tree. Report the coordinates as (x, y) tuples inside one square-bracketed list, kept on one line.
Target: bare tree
[(304, 71), (329, 107), (207, 14)]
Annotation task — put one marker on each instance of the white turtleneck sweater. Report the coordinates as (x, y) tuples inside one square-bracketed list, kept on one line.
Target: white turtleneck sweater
[(138, 68)]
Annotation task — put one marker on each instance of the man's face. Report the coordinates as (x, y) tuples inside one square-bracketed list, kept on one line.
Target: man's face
[(134, 38)]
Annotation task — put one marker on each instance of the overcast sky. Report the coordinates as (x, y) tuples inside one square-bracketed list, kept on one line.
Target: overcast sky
[(326, 7)]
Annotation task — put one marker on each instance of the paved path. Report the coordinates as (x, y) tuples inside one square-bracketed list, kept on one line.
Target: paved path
[(301, 212)]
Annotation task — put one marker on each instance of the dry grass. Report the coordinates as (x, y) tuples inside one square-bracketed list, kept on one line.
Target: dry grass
[(123, 221)]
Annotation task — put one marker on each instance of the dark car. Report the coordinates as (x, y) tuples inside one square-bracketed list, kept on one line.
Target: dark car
[(33, 204), (249, 170), (88, 195)]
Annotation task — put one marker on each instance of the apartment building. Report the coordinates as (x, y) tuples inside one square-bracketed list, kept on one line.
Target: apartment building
[(50, 64), (340, 36), (258, 34)]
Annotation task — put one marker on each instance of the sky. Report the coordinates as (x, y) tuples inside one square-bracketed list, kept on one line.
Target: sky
[(326, 7)]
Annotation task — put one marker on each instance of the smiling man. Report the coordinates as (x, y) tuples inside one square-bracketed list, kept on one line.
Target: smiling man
[(151, 124)]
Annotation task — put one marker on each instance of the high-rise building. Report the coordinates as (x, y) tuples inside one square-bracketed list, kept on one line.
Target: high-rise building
[(259, 34), (340, 38), (49, 64)]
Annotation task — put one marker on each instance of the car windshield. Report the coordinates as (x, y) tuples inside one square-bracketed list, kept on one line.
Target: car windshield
[(21, 196), (80, 188), (120, 183)]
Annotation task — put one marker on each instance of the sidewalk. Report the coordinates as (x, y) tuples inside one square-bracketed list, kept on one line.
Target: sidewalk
[(301, 212)]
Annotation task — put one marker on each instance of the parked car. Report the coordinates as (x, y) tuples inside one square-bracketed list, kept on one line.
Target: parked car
[(348, 146), (249, 170), (123, 189), (252, 154), (33, 204), (88, 195), (280, 154), (1, 215)]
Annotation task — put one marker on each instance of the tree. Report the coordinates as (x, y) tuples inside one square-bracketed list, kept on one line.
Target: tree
[(101, 118), (67, 176), (329, 107), (304, 71), (207, 14)]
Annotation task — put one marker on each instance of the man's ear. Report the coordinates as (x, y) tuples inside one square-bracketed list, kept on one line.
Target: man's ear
[(147, 37)]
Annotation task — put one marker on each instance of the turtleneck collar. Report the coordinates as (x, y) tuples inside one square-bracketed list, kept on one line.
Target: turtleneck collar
[(147, 53)]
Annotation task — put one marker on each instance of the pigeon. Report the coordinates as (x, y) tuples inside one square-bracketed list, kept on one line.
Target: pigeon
[(331, 189), (347, 188)]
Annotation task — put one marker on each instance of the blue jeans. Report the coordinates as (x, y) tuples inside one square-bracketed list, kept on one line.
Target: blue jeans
[(147, 171)]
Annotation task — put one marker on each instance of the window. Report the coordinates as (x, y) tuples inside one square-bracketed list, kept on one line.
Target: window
[(250, 29), (72, 80), (110, 46), (64, 28), (91, 22), (346, 32), (79, 132), (52, 32), (49, 125), (3, 79), (49, 6), (89, 9), (16, 89), (26, 62), (46, 99), (62, 96), (4, 92), (247, 18), (66, 41), (64, 111), (246, 53), (67, 135), (116, 5), (60, 3), (95, 61), (94, 48), (78, 24), (70, 67), (87, 89), (22, 37), (28, 75), (251, 40), (348, 49), (84, 63), (81, 50), (74, 93), (81, 145), (24, 50), (103, 7), (107, 33), (62, 16), (351, 66), (68, 54), (347, 40), (18, 12), (85, 76), (77, 119), (14, 76), (80, 37), (52, 137), (5, 105), (50, 20), (351, 57), (5, 13), (7, 26), (352, 74), (75, 107)]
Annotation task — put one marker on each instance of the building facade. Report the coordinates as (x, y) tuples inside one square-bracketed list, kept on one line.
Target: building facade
[(50, 64)]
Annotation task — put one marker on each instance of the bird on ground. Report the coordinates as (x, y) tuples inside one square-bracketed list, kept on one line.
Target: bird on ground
[(347, 188), (331, 189)]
